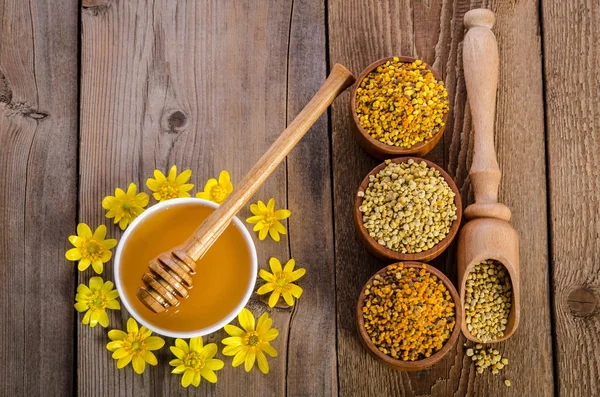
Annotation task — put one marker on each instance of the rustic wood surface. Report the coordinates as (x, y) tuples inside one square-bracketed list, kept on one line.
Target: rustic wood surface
[(209, 86)]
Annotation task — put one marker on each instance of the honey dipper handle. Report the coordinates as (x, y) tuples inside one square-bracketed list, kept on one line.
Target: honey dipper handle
[(339, 79), (480, 63)]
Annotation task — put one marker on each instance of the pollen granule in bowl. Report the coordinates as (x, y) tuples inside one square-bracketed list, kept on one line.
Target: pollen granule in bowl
[(401, 103), (408, 312)]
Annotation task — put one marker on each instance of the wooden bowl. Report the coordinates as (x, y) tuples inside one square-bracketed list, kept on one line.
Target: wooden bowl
[(418, 364), (387, 254), (381, 150)]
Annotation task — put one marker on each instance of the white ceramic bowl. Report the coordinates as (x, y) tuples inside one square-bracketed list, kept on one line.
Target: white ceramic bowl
[(203, 331)]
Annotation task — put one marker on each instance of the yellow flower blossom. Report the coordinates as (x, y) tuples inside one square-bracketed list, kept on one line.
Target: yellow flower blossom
[(217, 191), (90, 249), (125, 207), (195, 361), (280, 282), (266, 219), (250, 344), (95, 300), (171, 186), (135, 346)]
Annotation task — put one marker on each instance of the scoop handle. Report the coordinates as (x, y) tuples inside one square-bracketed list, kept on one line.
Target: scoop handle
[(339, 79), (480, 63)]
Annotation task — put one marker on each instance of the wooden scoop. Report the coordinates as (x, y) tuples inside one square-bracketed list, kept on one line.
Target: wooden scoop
[(487, 234), (170, 274)]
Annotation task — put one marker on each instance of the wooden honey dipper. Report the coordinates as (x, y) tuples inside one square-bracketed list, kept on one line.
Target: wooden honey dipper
[(487, 234), (170, 274)]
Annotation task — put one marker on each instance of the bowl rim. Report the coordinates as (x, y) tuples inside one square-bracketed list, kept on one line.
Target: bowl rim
[(425, 362), (206, 330), (386, 253), (384, 148)]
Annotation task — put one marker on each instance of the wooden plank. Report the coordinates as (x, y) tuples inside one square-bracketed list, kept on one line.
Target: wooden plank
[(361, 33), (312, 357), (571, 48), (220, 71), (38, 157)]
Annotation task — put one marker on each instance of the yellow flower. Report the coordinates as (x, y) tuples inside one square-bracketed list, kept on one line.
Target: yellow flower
[(134, 346), (171, 186), (250, 344), (95, 300), (217, 191), (266, 219), (195, 361), (90, 249), (281, 282), (125, 207)]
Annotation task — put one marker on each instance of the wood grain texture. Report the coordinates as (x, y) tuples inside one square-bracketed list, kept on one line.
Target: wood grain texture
[(38, 159), (204, 85), (362, 32), (572, 73)]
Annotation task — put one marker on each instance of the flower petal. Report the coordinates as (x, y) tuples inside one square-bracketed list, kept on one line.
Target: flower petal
[(275, 265), (154, 343), (84, 230), (196, 344), (224, 178), (109, 243), (182, 345), (100, 233), (255, 209), (282, 214), (84, 264), (295, 290), (132, 326), (183, 177), (274, 234), (74, 254), (261, 206), (249, 362), (117, 334), (232, 341), (150, 358), (139, 365), (132, 189), (270, 350), (86, 317), (232, 350), (159, 176), (254, 219), (233, 330), (172, 174), (209, 375), (76, 241), (264, 323), (187, 378), (274, 298), (119, 353), (209, 350), (113, 305), (96, 283), (210, 185), (270, 335), (114, 345), (289, 266), (98, 267), (180, 354), (103, 319), (265, 289), (124, 361), (271, 205), (185, 188), (261, 360), (214, 364), (81, 307), (197, 378), (179, 369), (246, 320), (277, 226), (239, 358), (296, 274), (265, 275), (94, 318), (153, 184)]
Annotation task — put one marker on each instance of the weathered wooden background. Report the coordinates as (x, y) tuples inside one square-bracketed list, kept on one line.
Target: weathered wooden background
[(96, 95)]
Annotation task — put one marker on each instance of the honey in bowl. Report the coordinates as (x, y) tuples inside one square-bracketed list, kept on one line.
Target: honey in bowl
[(224, 277)]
